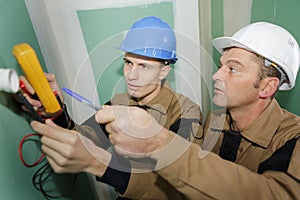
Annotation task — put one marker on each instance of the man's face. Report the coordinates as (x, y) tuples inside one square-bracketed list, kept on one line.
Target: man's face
[(143, 76), (236, 79)]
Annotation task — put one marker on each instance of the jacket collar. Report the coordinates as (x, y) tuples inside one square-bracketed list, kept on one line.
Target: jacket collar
[(261, 131)]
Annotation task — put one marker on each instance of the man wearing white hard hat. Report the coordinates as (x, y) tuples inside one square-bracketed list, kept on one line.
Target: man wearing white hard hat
[(251, 148)]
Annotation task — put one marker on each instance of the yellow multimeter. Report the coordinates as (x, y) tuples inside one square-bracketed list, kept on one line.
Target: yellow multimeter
[(33, 71)]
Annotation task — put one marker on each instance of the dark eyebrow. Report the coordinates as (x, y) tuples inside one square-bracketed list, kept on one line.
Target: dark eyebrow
[(126, 60), (234, 62), (144, 64)]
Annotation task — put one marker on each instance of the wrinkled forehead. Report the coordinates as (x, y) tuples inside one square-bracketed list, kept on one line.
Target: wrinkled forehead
[(239, 54)]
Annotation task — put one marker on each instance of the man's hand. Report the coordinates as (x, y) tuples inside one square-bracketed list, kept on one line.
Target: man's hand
[(69, 152), (132, 130), (35, 102)]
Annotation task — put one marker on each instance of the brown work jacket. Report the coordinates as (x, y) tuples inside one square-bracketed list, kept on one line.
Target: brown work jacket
[(266, 165)]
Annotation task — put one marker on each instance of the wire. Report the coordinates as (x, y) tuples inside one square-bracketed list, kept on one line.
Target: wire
[(41, 177), (20, 150)]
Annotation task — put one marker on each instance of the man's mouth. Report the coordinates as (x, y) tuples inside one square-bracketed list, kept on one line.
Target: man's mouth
[(132, 87), (218, 90)]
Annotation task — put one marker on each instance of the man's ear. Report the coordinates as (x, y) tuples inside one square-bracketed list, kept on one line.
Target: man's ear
[(269, 87), (164, 72)]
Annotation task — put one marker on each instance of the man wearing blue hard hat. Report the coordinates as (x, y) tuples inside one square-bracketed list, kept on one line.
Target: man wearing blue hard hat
[(149, 49)]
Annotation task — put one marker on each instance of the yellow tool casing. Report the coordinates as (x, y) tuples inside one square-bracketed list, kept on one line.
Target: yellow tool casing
[(33, 71)]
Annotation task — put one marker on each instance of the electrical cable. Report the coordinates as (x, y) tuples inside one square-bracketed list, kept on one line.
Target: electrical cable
[(43, 173), (20, 151), (41, 177)]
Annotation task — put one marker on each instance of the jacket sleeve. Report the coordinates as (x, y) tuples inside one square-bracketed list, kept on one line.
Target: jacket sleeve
[(95, 132), (140, 185), (150, 186), (203, 175)]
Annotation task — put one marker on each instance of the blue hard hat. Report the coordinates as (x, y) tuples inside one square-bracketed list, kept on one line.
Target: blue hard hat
[(151, 37)]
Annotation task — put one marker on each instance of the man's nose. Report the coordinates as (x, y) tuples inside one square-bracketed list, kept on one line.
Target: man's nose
[(133, 73), (218, 75)]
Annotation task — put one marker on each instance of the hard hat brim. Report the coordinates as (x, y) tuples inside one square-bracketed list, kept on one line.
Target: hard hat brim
[(222, 43)]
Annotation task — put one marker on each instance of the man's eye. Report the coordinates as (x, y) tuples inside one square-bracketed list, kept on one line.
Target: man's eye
[(233, 70), (127, 62), (144, 67)]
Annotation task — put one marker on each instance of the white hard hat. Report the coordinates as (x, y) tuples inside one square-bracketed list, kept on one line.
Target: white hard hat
[(272, 42)]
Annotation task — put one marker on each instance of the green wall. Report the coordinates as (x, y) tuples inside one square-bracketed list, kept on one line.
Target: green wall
[(15, 181), (284, 13)]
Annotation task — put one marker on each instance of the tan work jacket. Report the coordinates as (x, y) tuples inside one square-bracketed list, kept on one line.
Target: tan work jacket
[(267, 164)]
